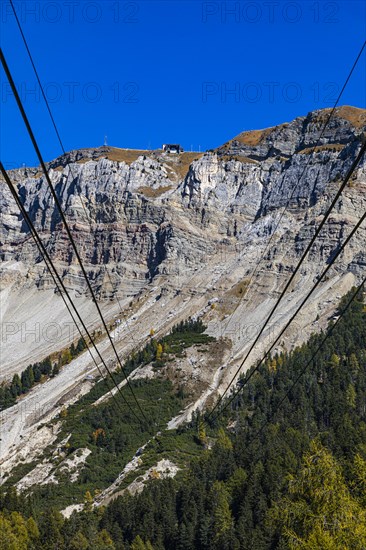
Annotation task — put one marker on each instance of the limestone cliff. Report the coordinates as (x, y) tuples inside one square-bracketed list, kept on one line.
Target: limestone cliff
[(214, 235), (141, 217)]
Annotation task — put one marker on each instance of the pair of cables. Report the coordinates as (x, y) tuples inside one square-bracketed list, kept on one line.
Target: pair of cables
[(70, 236), (282, 214), (296, 270)]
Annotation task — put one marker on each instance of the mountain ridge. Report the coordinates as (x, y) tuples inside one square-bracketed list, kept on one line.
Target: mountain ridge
[(187, 248)]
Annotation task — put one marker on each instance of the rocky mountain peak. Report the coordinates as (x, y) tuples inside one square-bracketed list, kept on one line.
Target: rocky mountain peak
[(148, 212)]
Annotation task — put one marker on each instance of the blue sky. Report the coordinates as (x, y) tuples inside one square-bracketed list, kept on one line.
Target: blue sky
[(196, 73)]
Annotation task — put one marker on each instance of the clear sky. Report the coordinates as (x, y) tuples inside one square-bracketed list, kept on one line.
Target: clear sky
[(197, 73)]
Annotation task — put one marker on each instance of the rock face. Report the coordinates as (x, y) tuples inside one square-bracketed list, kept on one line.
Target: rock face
[(264, 170), (164, 237), (140, 217)]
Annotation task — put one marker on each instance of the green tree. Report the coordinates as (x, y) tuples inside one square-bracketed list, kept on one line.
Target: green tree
[(46, 366), (50, 526), (80, 345), (66, 357), (320, 511), (222, 518), (26, 380), (334, 360), (55, 370), (202, 433), (351, 396), (359, 477), (139, 544), (16, 533), (224, 441), (37, 373), (79, 542), (33, 531), (8, 540), (16, 385), (88, 501), (103, 541), (354, 364), (159, 352)]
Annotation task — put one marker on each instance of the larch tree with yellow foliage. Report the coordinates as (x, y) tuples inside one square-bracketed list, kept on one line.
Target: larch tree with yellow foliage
[(320, 512)]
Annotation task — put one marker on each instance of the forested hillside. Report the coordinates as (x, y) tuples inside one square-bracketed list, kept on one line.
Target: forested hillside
[(270, 474)]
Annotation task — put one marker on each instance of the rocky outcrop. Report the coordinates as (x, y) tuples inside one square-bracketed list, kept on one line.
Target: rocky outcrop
[(137, 219)]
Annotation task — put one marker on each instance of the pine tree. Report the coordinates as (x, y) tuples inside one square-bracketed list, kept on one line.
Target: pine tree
[(46, 366), (37, 373), (80, 345), (50, 527), (16, 385), (55, 370), (351, 396), (222, 519), (66, 357), (26, 380), (103, 541), (159, 352), (202, 437), (8, 540), (33, 531), (320, 512), (88, 501), (79, 542), (353, 364), (139, 544)]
